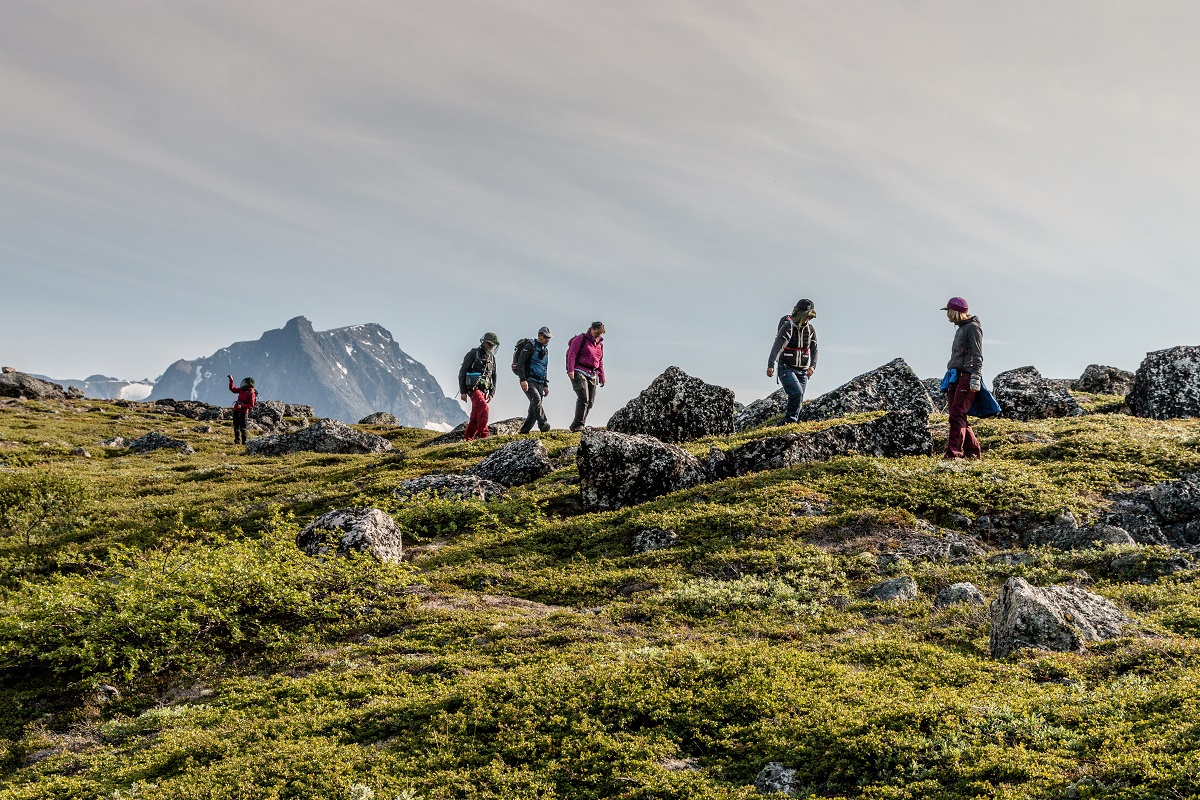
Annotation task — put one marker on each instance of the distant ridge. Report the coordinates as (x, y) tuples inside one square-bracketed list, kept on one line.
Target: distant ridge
[(345, 374), (102, 387)]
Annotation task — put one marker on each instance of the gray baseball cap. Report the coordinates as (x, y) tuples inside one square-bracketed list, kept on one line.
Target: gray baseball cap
[(544, 331)]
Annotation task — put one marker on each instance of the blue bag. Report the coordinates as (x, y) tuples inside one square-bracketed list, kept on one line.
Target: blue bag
[(985, 405)]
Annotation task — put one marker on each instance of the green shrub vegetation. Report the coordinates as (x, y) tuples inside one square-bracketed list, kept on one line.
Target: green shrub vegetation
[(163, 637)]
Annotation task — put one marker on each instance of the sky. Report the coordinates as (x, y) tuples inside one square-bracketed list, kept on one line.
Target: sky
[(177, 176)]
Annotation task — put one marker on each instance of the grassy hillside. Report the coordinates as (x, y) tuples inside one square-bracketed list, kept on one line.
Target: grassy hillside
[(163, 637)]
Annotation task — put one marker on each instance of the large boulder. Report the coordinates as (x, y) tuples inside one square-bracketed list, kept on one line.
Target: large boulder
[(892, 387), (505, 427), (1023, 394), (941, 400), (326, 436), (20, 384), (760, 412), (157, 441), (272, 416), (353, 530), (515, 463), (1058, 618), (1099, 379), (676, 407), (899, 433), (1167, 384), (450, 487), (621, 469)]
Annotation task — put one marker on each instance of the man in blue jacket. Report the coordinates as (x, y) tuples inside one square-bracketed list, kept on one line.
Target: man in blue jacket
[(533, 369)]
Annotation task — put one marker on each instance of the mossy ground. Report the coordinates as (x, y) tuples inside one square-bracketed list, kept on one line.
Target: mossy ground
[(525, 651)]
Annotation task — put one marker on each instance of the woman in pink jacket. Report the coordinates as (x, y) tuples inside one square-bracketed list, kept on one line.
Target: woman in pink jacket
[(585, 370)]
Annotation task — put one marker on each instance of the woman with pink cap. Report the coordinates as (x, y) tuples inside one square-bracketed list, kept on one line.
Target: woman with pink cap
[(964, 378)]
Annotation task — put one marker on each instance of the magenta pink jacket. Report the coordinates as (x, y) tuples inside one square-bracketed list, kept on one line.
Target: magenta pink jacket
[(584, 352)]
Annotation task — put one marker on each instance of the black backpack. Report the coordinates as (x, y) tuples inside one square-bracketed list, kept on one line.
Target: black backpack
[(517, 348)]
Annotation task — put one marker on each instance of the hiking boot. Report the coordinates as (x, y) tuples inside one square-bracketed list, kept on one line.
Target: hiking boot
[(544, 428)]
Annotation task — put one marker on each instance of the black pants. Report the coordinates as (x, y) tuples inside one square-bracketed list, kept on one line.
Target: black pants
[(239, 426), (585, 396), (536, 412)]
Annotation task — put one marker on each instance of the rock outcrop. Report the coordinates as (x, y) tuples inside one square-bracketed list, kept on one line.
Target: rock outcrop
[(892, 387), (1023, 394), (353, 530), (450, 487), (1065, 533), (676, 407), (1167, 384), (1099, 379), (157, 441), (899, 433), (505, 427), (620, 469), (20, 384), (1061, 618), (1164, 513), (760, 412), (515, 463), (326, 436)]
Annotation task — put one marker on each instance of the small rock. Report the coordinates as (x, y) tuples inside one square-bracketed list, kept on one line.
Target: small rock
[(380, 418), (958, 593), (505, 427), (119, 442), (1011, 559), (326, 436), (515, 463), (203, 429), (654, 539), (107, 694), (350, 530), (776, 778), (81, 452), (899, 589), (1099, 379), (454, 487), (157, 441), (1058, 618)]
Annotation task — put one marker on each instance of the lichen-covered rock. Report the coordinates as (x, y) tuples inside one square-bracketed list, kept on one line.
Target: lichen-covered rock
[(353, 530), (955, 593), (1163, 513), (899, 433), (760, 412), (157, 441), (515, 463), (654, 539), (380, 418), (940, 400), (1099, 379), (892, 387), (1061, 618), (897, 589), (1023, 394), (20, 384), (927, 543), (1065, 533), (451, 487), (326, 436), (116, 442), (505, 427), (676, 407), (775, 778), (1167, 384), (620, 469)]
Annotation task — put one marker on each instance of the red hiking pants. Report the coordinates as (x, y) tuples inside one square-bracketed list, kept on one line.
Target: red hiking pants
[(962, 441), (477, 425)]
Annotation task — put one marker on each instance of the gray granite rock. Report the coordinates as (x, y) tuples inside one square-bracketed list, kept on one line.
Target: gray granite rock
[(620, 469), (676, 407), (505, 427), (955, 593), (1163, 513), (452, 487), (326, 436), (654, 539), (775, 778), (891, 387), (1099, 379), (380, 418), (1023, 394), (20, 384), (515, 463), (1167, 384), (940, 400), (353, 530), (157, 441), (760, 412), (1061, 618), (897, 589), (927, 543), (1065, 533), (899, 433)]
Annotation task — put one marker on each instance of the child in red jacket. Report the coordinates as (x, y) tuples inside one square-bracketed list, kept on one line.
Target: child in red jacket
[(247, 397)]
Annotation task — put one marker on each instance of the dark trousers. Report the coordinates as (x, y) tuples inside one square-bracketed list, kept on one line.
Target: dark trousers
[(239, 426), (962, 441), (585, 396), (535, 393), (477, 427), (795, 381)]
